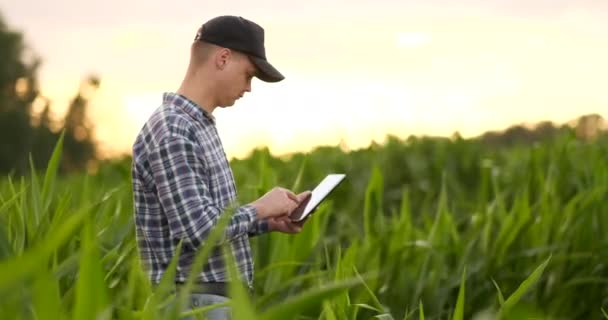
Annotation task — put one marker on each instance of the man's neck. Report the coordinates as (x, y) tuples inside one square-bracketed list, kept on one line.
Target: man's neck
[(198, 94)]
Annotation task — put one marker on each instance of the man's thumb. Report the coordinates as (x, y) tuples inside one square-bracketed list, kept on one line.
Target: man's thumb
[(302, 196)]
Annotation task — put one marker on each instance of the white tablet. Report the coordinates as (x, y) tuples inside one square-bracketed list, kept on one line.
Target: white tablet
[(321, 191)]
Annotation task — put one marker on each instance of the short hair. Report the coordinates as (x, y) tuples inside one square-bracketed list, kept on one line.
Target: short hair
[(201, 51)]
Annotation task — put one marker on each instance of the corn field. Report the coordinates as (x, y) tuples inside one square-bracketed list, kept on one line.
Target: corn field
[(422, 228)]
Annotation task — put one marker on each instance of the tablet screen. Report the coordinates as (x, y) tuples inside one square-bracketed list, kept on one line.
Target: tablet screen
[(321, 191)]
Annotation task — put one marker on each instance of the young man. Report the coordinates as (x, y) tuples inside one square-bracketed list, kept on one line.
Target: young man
[(182, 181)]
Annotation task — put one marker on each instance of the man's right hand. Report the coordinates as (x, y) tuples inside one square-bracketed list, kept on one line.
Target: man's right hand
[(275, 203)]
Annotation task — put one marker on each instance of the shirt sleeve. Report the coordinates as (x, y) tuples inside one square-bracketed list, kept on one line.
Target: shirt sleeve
[(184, 196), (259, 227)]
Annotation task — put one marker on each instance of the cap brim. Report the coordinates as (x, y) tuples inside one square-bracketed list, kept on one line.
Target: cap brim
[(266, 72)]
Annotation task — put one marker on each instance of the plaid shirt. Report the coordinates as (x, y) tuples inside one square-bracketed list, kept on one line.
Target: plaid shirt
[(182, 182)]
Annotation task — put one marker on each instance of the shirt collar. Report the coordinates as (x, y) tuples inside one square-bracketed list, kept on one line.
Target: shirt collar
[(187, 105)]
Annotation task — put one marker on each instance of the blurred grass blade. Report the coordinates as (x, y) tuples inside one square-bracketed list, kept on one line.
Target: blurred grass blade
[(164, 287), (406, 314), (291, 307), (373, 199), (33, 215), (91, 291), (6, 250), (366, 306), (377, 305), (47, 297), (241, 306), (203, 253), (459, 311), (199, 311), (501, 298), (523, 288), (51, 172), (298, 182), (5, 204), (421, 310), (328, 312), (14, 270)]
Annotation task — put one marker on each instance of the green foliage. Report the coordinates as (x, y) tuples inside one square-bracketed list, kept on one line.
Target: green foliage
[(421, 229)]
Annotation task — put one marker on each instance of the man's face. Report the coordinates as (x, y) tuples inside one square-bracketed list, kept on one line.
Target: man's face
[(235, 79)]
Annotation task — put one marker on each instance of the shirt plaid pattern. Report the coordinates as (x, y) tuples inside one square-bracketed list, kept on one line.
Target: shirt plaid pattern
[(182, 182)]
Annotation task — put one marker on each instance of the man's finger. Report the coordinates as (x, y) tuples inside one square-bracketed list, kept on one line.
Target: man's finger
[(291, 228), (300, 223), (283, 219), (294, 227), (290, 206), (282, 226), (292, 196)]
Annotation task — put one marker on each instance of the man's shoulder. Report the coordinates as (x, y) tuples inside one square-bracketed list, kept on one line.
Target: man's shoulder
[(164, 123)]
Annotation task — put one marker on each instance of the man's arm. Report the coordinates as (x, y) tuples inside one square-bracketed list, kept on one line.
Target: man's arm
[(259, 227), (185, 197)]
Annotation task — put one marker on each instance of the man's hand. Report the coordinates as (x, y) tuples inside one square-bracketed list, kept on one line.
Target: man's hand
[(275, 203), (284, 223)]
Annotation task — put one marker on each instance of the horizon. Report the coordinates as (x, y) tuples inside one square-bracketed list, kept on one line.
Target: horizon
[(375, 69), (572, 124)]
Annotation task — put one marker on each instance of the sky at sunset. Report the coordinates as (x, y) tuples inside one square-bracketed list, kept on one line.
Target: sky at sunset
[(355, 70)]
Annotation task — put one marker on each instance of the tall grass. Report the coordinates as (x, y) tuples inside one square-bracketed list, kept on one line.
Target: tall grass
[(421, 229)]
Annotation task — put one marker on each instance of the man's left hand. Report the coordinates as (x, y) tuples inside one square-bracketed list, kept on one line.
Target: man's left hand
[(285, 225)]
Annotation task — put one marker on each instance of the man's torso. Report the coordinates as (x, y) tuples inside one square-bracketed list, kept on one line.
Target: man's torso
[(180, 117)]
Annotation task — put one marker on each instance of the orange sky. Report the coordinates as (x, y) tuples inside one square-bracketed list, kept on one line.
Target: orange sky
[(355, 70)]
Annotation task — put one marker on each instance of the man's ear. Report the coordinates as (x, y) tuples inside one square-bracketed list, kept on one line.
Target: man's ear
[(222, 57)]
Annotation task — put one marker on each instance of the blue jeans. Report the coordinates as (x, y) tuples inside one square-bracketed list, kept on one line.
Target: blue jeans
[(199, 300)]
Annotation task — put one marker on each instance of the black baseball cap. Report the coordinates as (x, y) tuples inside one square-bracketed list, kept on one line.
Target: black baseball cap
[(243, 35)]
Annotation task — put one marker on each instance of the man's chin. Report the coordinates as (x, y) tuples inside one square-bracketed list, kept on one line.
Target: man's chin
[(228, 104)]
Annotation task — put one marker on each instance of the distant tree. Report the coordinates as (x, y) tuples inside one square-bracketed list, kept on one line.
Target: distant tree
[(590, 126), (18, 90), (584, 127), (79, 147), (24, 135), (545, 130)]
